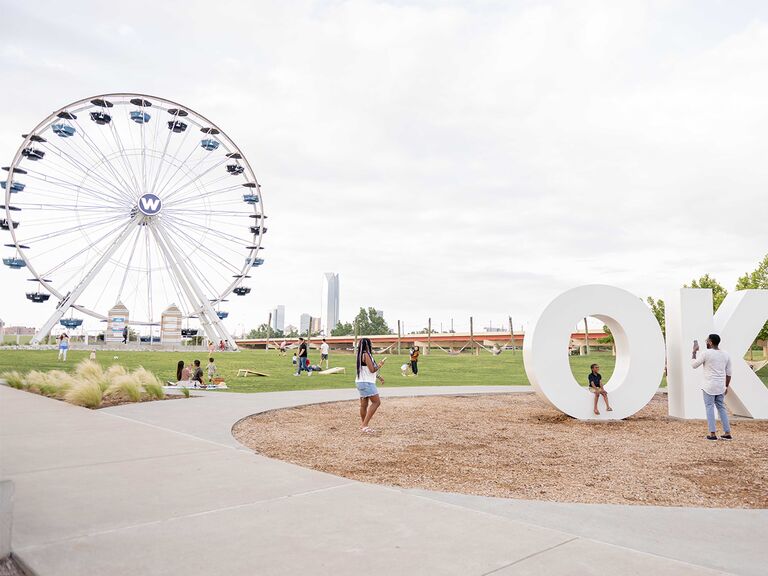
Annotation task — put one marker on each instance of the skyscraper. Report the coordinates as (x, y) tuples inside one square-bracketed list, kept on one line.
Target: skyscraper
[(305, 321), (329, 312), (278, 318)]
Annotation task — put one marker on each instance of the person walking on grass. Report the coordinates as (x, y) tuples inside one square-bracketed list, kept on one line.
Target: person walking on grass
[(211, 368), (596, 387), (717, 378), (365, 380), (302, 357), (63, 346), (415, 360), (324, 349)]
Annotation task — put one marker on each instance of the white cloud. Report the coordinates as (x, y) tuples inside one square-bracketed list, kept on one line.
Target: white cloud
[(447, 159)]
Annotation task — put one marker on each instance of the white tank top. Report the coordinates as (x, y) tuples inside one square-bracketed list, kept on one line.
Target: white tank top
[(366, 375)]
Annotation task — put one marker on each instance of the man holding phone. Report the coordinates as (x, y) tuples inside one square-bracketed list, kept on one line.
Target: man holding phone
[(717, 378)]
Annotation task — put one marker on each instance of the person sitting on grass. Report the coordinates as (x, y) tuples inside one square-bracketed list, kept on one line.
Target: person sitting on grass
[(596, 387), (197, 375), (182, 375)]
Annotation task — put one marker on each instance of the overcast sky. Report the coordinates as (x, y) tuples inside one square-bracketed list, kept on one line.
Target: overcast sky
[(447, 159)]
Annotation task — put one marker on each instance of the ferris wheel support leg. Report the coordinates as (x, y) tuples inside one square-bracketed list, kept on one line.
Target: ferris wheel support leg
[(70, 299), (211, 323)]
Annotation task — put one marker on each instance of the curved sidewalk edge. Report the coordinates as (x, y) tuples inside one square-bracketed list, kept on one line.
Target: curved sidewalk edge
[(104, 493)]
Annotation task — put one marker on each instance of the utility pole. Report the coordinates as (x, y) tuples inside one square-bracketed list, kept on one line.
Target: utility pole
[(269, 330), (586, 335), (398, 337), (472, 336), (429, 335), (512, 334)]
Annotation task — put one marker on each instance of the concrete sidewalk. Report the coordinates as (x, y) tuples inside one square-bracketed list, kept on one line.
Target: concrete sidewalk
[(163, 488)]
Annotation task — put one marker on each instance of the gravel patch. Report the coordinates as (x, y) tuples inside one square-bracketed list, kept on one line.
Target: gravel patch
[(517, 446)]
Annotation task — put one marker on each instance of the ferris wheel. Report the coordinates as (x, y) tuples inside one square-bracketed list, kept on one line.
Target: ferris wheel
[(133, 200)]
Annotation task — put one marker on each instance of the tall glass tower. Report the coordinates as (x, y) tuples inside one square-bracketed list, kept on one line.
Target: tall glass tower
[(329, 313)]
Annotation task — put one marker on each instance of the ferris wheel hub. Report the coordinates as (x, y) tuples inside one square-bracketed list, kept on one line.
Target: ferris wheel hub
[(150, 204)]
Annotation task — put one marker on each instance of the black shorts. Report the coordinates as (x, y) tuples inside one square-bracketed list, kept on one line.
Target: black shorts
[(323, 356)]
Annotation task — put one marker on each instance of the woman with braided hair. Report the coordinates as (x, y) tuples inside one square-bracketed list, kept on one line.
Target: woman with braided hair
[(367, 375)]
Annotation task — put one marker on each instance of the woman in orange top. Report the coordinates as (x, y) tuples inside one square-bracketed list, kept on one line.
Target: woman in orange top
[(415, 360)]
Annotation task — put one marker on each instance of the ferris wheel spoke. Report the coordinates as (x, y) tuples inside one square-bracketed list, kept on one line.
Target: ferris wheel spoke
[(63, 231), (85, 137), (167, 182), (124, 159), (74, 186), (160, 182), (216, 256), (192, 193), (202, 272), (210, 322), (195, 179), (218, 233), (161, 160), (130, 261), (74, 294), (208, 194), (60, 207), (82, 168), (63, 263)]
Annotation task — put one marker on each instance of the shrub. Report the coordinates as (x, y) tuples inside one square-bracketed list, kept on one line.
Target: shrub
[(125, 387), (14, 379), (84, 393), (185, 392)]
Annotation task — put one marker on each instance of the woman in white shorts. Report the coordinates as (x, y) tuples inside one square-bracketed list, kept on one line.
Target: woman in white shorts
[(367, 374)]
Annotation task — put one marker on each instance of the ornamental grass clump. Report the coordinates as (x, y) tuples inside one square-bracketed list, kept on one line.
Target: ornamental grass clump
[(125, 387), (149, 382), (93, 372), (14, 379), (54, 384), (85, 393)]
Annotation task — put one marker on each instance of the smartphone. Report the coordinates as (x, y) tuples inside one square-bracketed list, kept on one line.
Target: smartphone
[(696, 343)]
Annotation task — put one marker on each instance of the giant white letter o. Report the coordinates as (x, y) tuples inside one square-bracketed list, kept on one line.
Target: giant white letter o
[(639, 352)]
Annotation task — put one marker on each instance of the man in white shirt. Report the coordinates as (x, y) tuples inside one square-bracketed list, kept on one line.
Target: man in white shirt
[(717, 378), (324, 349)]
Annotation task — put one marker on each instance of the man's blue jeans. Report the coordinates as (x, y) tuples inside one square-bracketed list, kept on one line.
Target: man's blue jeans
[(302, 365), (710, 401)]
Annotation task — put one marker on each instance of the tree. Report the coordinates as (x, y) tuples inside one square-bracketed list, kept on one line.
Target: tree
[(757, 280), (343, 329), (718, 292), (608, 339), (369, 322), (263, 331), (657, 307)]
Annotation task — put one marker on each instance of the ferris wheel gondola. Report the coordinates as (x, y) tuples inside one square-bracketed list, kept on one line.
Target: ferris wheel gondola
[(121, 203)]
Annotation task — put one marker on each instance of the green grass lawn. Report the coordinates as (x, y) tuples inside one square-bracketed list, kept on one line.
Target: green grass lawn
[(437, 369)]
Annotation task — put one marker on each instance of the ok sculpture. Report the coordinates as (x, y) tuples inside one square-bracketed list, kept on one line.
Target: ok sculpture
[(641, 351)]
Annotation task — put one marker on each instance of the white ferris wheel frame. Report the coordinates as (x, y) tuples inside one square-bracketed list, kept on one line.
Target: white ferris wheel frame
[(201, 305)]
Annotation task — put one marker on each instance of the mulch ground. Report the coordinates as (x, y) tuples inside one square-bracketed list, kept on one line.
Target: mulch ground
[(517, 446), (109, 402)]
